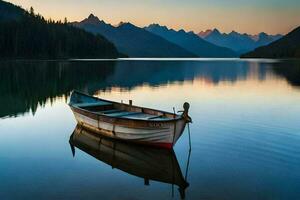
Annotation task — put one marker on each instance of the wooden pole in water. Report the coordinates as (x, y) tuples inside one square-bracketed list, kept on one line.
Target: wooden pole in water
[(130, 102), (190, 142), (187, 166)]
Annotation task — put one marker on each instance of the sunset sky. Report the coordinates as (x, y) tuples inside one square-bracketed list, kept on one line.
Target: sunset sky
[(271, 16)]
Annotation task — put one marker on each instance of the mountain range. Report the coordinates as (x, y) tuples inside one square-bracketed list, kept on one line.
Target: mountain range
[(191, 42), (156, 40), (238, 42), (132, 40), (286, 47), (24, 34)]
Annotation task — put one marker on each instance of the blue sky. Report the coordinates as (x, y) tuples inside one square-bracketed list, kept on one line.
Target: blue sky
[(271, 16)]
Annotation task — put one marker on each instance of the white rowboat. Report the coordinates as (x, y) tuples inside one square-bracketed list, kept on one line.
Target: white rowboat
[(127, 122)]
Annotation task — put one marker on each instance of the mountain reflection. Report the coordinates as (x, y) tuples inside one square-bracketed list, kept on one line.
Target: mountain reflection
[(289, 70), (25, 85), (161, 73), (145, 162)]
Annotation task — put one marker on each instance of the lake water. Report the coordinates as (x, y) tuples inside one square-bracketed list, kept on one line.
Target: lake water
[(245, 131)]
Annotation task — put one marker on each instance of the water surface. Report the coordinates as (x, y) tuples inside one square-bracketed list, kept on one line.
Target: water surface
[(245, 131)]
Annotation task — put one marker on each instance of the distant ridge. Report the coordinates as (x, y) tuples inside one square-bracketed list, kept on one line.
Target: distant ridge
[(203, 34), (191, 42), (132, 40), (238, 42), (286, 47)]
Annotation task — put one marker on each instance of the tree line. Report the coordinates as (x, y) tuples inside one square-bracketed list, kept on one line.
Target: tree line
[(31, 36)]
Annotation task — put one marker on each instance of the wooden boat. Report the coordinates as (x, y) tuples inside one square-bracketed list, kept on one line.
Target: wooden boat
[(128, 122), (142, 161)]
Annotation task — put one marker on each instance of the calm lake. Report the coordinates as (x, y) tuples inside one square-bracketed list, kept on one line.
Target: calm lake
[(245, 131)]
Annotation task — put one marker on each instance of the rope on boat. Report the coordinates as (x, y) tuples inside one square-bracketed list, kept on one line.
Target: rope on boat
[(188, 120)]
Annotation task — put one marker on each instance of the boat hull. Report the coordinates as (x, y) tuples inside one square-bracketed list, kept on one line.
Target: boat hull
[(160, 134)]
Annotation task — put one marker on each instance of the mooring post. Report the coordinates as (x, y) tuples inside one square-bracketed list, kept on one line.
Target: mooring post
[(174, 112), (130, 102)]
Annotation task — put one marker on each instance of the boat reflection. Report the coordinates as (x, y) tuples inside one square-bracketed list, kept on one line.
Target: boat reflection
[(142, 161)]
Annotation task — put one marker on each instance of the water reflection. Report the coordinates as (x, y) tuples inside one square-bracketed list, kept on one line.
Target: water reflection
[(144, 162), (290, 71), (245, 131), (25, 85)]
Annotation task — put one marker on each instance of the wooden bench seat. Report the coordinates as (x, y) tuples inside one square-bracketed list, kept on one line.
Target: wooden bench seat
[(100, 103)]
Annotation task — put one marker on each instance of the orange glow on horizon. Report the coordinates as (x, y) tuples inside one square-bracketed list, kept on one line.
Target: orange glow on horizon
[(191, 15)]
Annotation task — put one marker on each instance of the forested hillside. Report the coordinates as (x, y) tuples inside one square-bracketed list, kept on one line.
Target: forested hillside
[(24, 34), (286, 47)]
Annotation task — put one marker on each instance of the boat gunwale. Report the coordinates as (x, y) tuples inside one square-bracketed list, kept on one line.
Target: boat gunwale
[(177, 118)]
